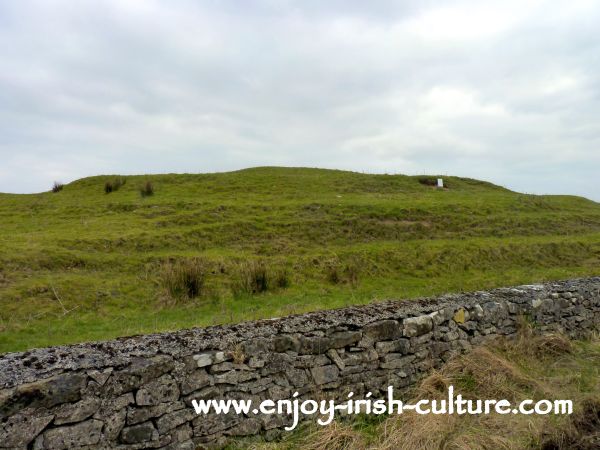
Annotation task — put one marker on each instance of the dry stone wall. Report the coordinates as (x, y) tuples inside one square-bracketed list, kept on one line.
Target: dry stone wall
[(136, 392)]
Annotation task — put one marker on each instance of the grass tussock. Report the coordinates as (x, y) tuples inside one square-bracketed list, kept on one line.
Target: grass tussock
[(336, 436), (251, 277), (114, 185), (57, 187), (147, 189), (184, 279), (535, 346), (348, 273), (484, 371), (257, 277), (282, 279), (582, 432)]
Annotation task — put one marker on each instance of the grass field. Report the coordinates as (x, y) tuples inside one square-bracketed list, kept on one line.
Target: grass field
[(82, 264)]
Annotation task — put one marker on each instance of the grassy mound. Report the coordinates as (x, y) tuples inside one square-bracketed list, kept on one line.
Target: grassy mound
[(115, 255)]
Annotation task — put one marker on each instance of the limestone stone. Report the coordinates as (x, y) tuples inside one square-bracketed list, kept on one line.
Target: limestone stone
[(416, 326), (307, 361), (297, 377), (164, 389), (383, 330), (206, 393), (139, 372), (235, 377), (476, 312), (113, 424), (344, 338), (396, 360), (255, 362), (335, 358), (203, 360), (76, 412), (100, 377), (210, 424), (325, 374), (227, 366), (460, 316), (110, 405), (245, 427), (255, 346), (70, 436), (46, 393), (358, 358), (399, 345), (209, 358), (286, 342), (144, 413), (19, 430), (174, 419), (194, 381), (142, 432), (314, 345)]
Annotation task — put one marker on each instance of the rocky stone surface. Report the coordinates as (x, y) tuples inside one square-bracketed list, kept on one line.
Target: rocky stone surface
[(137, 392)]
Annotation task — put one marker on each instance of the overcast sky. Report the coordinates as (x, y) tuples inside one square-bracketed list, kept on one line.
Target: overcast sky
[(506, 91)]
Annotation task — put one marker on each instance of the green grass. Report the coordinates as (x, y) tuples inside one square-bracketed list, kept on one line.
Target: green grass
[(81, 264)]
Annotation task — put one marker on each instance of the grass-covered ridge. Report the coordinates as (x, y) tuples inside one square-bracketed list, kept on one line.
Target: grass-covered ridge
[(83, 264)]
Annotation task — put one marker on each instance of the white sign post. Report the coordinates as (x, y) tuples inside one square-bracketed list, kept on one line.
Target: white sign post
[(440, 183)]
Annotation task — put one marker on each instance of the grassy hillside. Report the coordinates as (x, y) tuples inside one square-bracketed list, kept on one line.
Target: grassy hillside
[(81, 264)]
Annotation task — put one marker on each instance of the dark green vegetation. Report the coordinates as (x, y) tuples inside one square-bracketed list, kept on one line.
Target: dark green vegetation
[(531, 367), (172, 251)]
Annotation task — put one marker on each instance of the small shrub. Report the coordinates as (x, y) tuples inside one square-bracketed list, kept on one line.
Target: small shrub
[(237, 354), (184, 279), (147, 189), (252, 278), (428, 181), (432, 181), (337, 273), (333, 274), (57, 187), (352, 271), (114, 185), (282, 279)]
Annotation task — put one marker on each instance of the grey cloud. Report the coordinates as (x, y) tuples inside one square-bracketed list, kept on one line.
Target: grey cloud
[(397, 87)]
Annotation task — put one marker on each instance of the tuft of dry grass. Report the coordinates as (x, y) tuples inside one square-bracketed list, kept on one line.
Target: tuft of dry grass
[(184, 279), (491, 375), (252, 277), (282, 279), (147, 189), (335, 436), (114, 185), (348, 273), (582, 432), (237, 354), (57, 187)]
